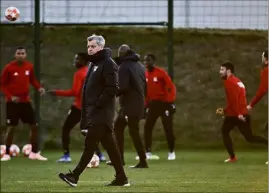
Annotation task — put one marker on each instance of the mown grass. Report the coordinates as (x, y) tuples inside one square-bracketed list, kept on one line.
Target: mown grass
[(193, 171)]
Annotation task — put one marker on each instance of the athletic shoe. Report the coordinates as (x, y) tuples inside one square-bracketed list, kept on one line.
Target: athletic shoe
[(69, 178), (37, 156), (102, 158), (119, 182), (65, 159), (6, 157), (149, 156), (171, 156), (231, 160)]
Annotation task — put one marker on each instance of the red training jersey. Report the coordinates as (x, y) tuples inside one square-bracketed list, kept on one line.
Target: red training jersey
[(76, 90), (159, 86), (235, 97), (16, 79), (263, 88)]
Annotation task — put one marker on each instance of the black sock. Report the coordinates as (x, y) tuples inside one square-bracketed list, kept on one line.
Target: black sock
[(10, 136), (7, 149), (34, 138), (66, 152)]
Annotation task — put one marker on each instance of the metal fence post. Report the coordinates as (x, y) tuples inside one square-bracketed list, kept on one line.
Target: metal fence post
[(170, 36), (37, 65), (187, 13)]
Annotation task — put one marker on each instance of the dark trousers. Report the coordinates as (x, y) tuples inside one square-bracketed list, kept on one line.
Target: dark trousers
[(73, 118), (159, 109), (133, 124), (105, 135), (244, 128)]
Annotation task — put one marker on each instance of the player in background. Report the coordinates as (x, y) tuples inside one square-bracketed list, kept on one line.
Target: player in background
[(160, 98), (235, 113), (15, 84), (263, 88), (74, 114)]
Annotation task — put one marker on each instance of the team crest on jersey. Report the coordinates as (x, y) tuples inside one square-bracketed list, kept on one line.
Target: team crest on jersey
[(27, 72), (95, 68), (16, 74), (155, 79)]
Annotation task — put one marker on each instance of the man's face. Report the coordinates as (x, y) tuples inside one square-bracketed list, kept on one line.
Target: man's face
[(148, 62), (93, 47), (20, 55), (264, 60), (223, 72), (78, 61)]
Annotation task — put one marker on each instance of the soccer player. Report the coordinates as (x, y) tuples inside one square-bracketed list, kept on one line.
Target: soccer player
[(235, 113), (263, 88), (160, 98), (98, 110), (16, 79), (132, 87), (74, 114)]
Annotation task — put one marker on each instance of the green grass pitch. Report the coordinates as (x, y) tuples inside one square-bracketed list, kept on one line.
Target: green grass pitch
[(193, 171)]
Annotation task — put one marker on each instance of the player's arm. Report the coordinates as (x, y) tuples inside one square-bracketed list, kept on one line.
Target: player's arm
[(170, 87), (124, 80), (262, 90), (74, 91), (4, 81)]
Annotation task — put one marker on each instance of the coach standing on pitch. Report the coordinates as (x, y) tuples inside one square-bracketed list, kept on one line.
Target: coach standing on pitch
[(98, 109), (132, 84)]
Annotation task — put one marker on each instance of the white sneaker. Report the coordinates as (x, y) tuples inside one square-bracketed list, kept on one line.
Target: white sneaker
[(266, 163), (171, 156), (149, 156), (6, 157), (37, 156)]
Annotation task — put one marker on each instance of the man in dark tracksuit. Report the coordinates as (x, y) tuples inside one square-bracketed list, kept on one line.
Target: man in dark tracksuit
[(97, 113), (132, 84)]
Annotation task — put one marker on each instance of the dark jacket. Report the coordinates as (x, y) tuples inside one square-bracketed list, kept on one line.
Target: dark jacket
[(99, 91), (132, 84)]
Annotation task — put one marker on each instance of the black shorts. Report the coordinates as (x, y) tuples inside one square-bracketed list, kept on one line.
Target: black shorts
[(19, 111)]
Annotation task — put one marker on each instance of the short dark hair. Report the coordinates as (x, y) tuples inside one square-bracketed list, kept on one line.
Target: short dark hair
[(152, 56), (266, 54), (83, 55), (228, 65), (20, 48)]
